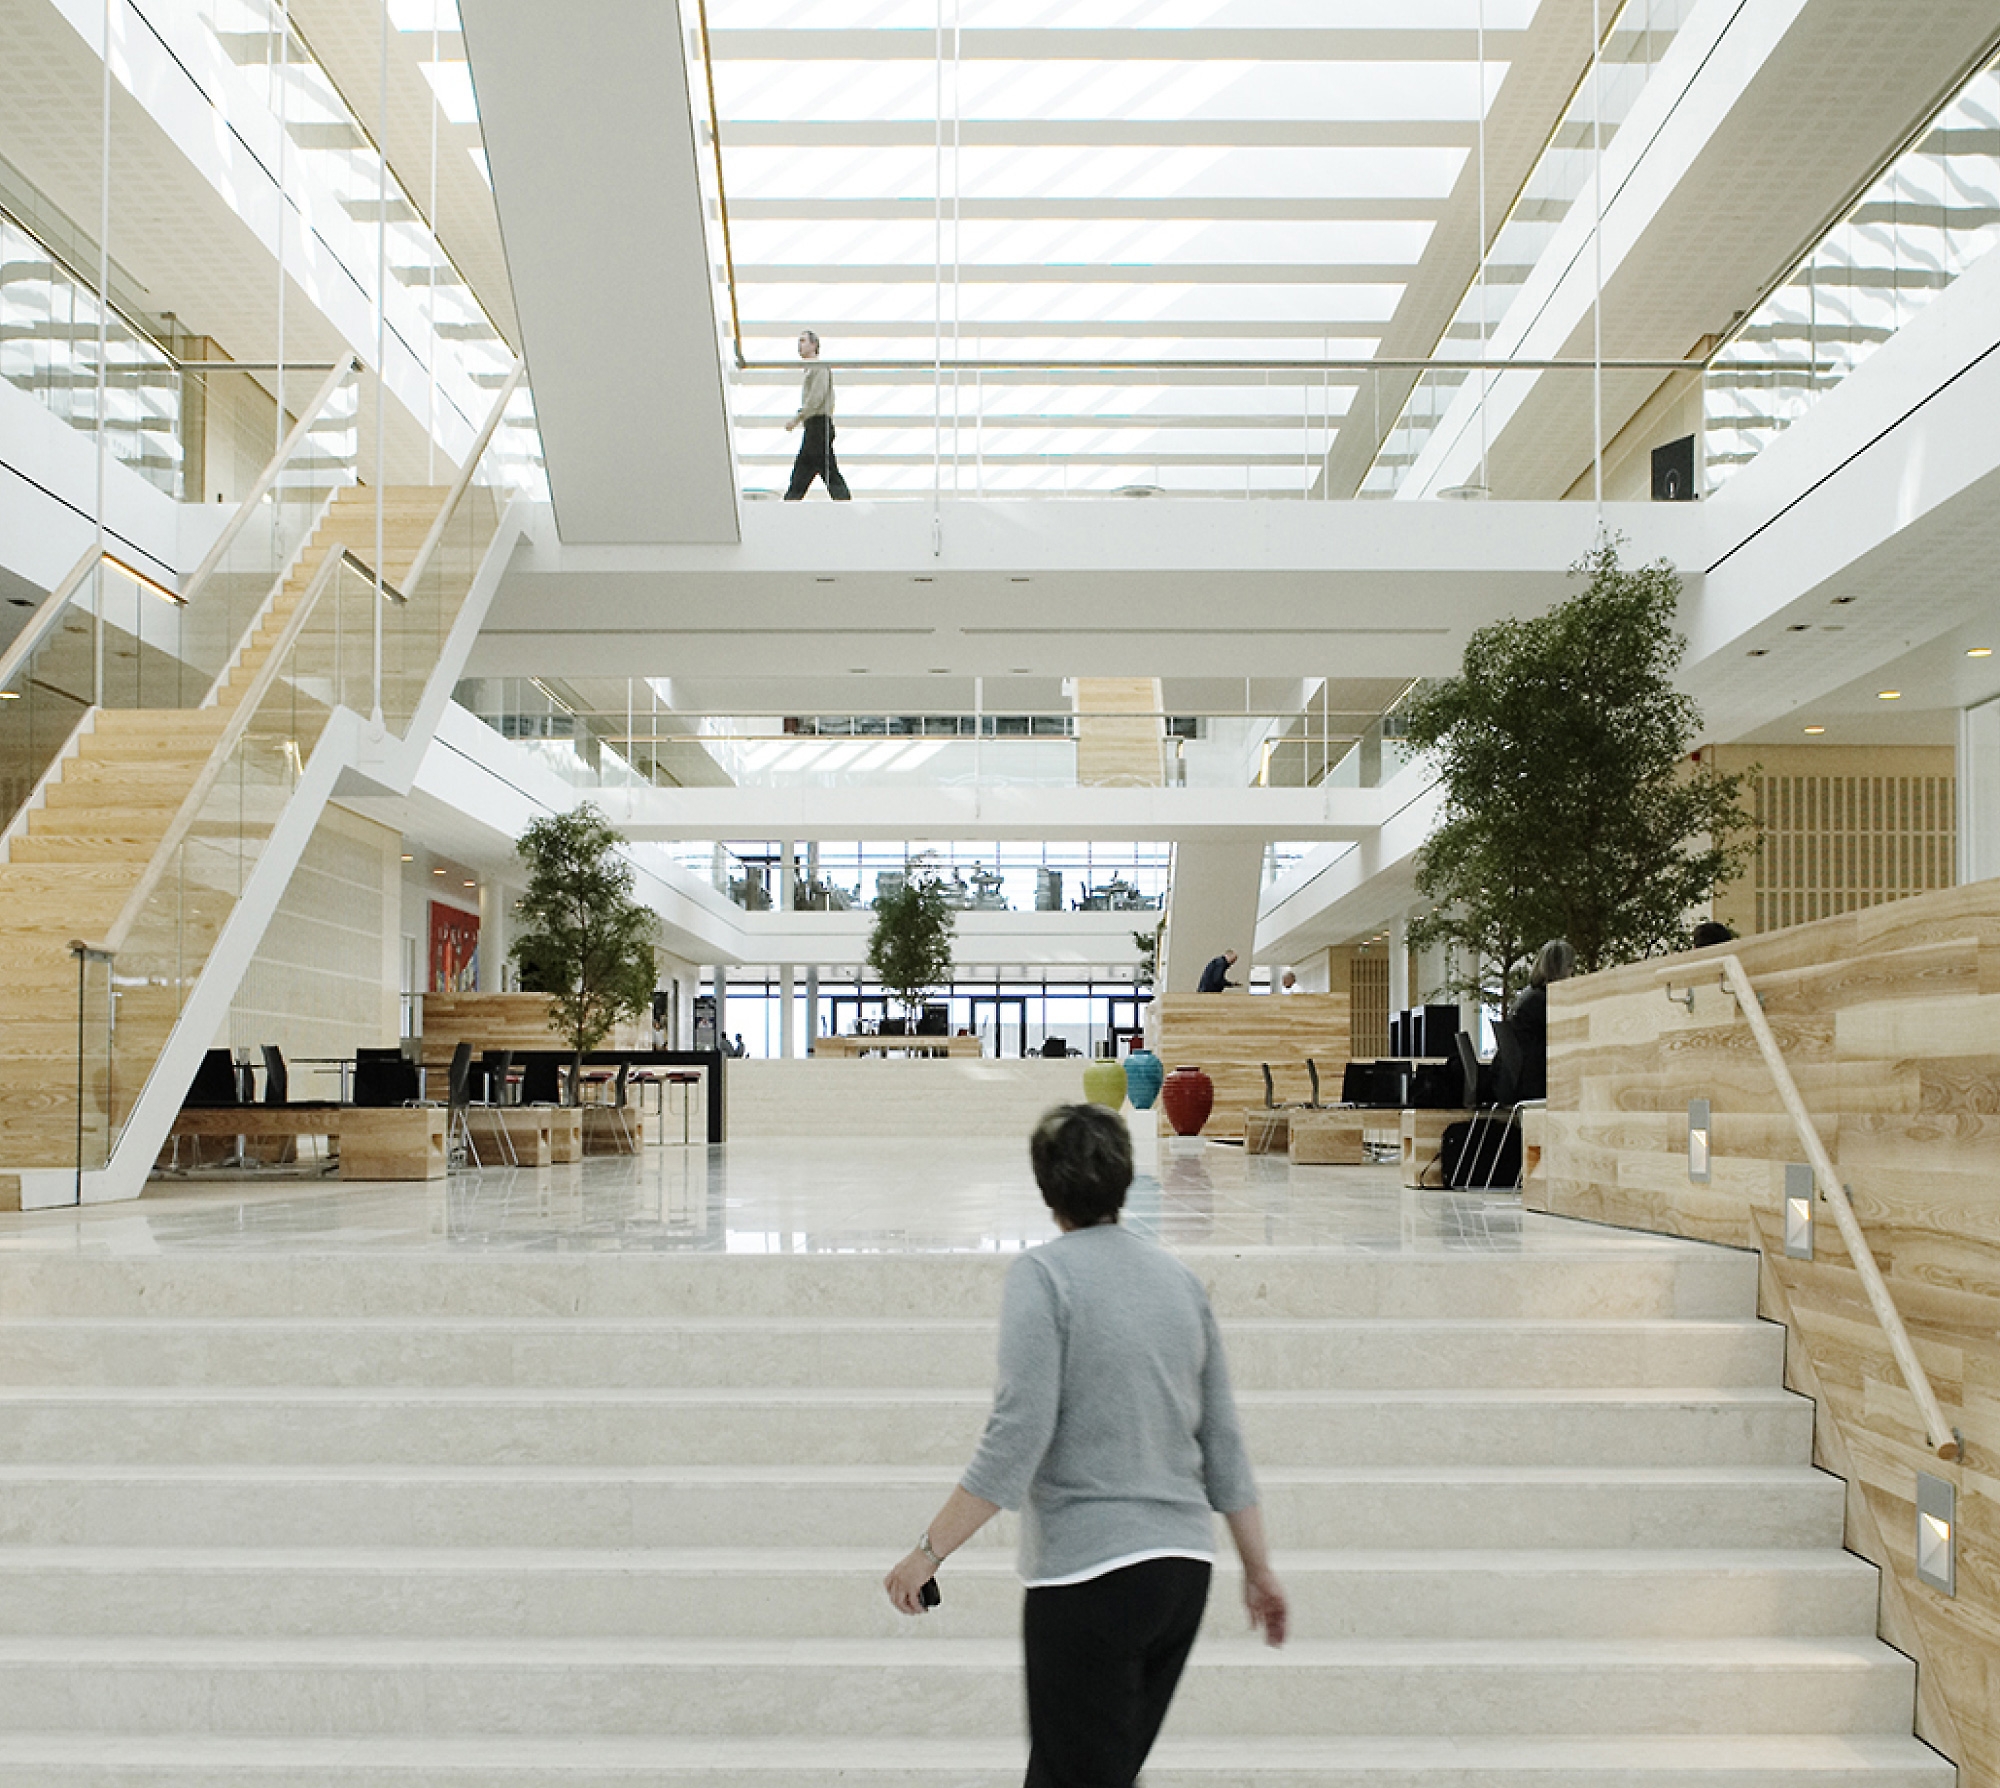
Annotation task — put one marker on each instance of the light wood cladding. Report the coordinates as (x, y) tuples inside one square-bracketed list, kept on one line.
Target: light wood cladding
[(1120, 734), (1368, 1002), (1840, 829), (1890, 1022), (120, 803), (517, 1021), (1230, 1035)]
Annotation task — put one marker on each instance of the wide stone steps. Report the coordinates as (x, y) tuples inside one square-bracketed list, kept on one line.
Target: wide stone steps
[(635, 1685), (1294, 1285), (793, 1592), (1732, 1760), (692, 1353), (1444, 1504), (378, 1520), (458, 1426)]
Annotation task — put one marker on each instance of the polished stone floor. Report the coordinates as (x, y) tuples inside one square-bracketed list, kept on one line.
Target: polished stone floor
[(790, 1196)]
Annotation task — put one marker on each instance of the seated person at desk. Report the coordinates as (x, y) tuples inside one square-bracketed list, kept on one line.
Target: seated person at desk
[(1555, 961)]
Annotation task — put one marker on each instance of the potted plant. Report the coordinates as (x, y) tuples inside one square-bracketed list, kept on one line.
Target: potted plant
[(909, 947), (583, 940), (1572, 806)]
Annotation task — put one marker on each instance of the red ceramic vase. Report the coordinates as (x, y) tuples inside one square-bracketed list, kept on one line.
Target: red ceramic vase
[(1189, 1096)]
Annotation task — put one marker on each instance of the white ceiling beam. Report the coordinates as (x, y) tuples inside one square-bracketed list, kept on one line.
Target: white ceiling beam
[(1077, 273), (608, 257), (1101, 133), (1062, 44)]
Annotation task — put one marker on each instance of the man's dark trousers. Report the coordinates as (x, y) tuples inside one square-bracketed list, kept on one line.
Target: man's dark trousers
[(816, 461)]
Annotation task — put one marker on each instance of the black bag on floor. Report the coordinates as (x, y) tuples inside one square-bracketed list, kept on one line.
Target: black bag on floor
[(1476, 1152)]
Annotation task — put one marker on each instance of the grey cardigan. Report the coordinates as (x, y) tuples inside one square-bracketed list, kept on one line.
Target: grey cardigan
[(1113, 1427)]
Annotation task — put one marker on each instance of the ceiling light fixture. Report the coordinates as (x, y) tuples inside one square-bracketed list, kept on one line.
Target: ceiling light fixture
[(1758, 652), (408, 858), (1842, 601), (1799, 627)]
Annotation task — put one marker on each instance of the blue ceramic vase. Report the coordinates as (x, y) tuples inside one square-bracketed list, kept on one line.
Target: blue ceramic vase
[(1143, 1075)]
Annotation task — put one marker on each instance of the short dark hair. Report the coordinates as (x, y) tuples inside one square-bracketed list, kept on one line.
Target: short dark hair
[(1083, 1163), (1712, 931)]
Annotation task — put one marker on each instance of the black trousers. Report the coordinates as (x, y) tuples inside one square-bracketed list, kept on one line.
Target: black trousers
[(816, 461), (1103, 1661)]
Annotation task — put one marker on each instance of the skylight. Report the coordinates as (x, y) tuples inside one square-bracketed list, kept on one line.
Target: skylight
[(1032, 195)]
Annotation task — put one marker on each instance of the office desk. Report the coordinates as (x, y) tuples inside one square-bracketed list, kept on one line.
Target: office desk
[(846, 1047)]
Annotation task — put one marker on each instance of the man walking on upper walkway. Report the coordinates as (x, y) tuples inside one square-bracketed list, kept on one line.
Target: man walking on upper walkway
[(816, 414)]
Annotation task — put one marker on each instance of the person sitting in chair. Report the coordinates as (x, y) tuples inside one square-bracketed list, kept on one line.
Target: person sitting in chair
[(1555, 961)]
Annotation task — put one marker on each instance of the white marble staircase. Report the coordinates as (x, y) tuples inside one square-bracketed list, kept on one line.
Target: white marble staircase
[(330, 1521)]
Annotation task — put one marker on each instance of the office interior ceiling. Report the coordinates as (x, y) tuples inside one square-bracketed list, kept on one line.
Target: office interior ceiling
[(1234, 180)]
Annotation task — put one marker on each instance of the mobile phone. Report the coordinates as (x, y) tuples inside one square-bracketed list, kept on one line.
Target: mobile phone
[(928, 1596)]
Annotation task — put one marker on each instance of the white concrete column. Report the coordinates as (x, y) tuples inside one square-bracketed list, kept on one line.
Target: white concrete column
[(1212, 907), (721, 990), (788, 871), (787, 1027), (493, 938), (1399, 963), (1979, 792), (812, 1009)]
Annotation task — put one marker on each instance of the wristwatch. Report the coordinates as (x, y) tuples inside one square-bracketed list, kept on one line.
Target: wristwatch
[(924, 1546)]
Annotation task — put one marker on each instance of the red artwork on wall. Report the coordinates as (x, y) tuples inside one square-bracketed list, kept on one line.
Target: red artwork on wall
[(454, 950)]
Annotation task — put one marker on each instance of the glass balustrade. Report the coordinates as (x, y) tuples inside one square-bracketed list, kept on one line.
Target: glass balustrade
[(349, 640), (1929, 217), (113, 635), (642, 746)]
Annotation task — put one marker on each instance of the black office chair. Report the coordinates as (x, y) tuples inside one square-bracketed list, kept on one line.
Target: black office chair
[(1490, 1154), (494, 1068), (384, 1077), (459, 1145), (541, 1080), (216, 1081)]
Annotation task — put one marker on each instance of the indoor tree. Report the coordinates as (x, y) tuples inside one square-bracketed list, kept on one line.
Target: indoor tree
[(582, 939), (1572, 806), (909, 947)]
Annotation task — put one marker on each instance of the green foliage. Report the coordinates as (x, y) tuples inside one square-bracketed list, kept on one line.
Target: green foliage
[(1571, 807), (1149, 951), (909, 948), (583, 940)]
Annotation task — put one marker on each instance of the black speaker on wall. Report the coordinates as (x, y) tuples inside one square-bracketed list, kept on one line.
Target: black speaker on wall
[(1673, 471)]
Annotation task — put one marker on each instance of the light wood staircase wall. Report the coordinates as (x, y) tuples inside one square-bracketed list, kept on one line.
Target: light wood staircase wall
[(103, 813), (1120, 735)]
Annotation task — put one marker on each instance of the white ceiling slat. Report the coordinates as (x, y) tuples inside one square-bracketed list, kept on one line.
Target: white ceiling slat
[(1116, 44)]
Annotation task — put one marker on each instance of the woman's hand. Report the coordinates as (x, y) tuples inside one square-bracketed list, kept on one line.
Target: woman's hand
[(1264, 1596), (906, 1582)]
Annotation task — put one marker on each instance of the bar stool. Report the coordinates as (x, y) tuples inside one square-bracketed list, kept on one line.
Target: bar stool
[(686, 1082)]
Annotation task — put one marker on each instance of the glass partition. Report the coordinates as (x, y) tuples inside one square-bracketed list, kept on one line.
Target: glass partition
[(1917, 229), (646, 744)]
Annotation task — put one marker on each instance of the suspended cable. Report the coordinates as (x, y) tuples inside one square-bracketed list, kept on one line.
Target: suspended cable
[(1597, 258)]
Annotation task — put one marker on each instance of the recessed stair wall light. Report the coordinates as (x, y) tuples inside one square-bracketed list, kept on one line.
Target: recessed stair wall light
[(1937, 1533), (1815, 730), (1700, 1158), (1979, 651), (1798, 1211), (1888, 695)]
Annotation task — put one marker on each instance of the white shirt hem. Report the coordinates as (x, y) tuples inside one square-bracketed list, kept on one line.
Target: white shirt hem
[(1090, 1572)]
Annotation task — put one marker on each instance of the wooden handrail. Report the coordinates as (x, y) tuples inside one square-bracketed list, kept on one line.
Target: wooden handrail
[(233, 730), (463, 481), (1729, 970), (47, 613), (268, 477)]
